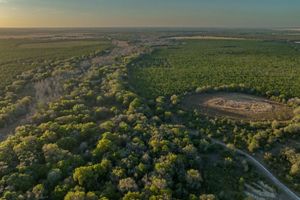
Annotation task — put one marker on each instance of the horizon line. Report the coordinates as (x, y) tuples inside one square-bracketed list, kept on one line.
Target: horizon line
[(144, 27)]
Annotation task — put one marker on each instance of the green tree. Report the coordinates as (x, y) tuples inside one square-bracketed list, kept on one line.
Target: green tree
[(132, 196), (193, 179), (92, 176), (127, 184)]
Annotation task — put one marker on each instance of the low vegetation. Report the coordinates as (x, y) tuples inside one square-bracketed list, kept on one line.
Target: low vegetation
[(20, 55), (268, 66)]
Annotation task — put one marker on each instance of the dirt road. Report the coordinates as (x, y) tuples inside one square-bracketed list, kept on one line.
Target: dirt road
[(263, 169)]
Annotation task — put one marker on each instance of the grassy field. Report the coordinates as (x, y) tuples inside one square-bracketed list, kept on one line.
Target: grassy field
[(264, 65), (18, 55)]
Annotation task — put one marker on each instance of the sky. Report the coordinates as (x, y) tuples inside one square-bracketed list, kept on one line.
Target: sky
[(150, 13)]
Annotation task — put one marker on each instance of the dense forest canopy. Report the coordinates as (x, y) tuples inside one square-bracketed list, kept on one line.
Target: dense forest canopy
[(106, 118), (269, 66)]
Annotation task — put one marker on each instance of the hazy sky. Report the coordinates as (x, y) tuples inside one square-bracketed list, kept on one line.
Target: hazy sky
[(179, 13)]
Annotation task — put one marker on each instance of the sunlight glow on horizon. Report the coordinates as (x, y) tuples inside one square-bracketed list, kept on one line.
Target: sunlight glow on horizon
[(142, 13)]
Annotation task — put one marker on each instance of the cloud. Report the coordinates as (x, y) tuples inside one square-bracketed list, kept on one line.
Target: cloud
[(3, 1)]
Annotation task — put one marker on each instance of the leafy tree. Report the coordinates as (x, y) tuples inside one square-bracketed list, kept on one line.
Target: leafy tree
[(207, 197), (132, 196), (21, 182), (39, 191), (54, 176), (193, 179), (75, 196), (53, 153), (174, 99), (90, 176), (127, 184)]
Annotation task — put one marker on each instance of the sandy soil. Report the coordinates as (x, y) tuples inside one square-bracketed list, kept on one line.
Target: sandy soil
[(238, 106)]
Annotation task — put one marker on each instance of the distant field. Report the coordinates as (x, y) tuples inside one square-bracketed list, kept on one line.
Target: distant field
[(59, 44), (207, 38), (18, 55), (264, 65)]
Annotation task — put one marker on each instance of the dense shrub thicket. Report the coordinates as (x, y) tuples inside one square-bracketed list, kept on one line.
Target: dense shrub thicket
[(268, 66), (264, 68), (101, 140)]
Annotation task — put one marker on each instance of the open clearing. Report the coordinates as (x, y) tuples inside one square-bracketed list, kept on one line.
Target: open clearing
[(238, 106)]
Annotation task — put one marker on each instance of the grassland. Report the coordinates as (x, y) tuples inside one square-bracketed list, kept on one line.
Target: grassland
[(269, 66), (18, 55)]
